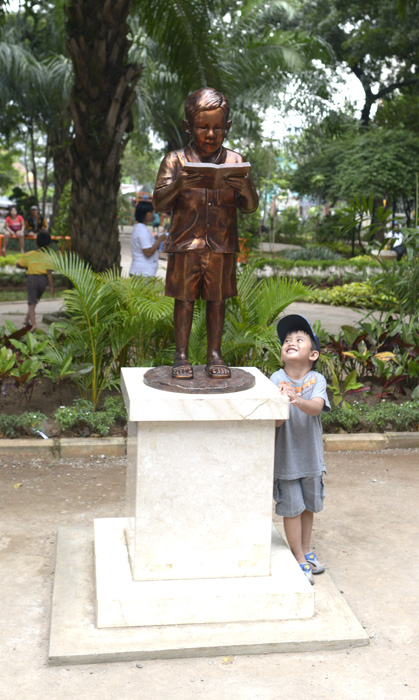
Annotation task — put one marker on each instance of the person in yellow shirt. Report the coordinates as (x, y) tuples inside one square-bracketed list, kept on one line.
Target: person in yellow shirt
[(38, 276)]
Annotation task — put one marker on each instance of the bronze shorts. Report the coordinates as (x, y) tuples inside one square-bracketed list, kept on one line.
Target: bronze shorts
[(201, 273)]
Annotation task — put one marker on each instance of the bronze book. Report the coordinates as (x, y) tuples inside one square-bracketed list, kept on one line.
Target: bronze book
[(213, 174)]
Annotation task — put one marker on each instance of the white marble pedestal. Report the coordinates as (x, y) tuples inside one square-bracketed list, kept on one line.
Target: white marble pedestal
[(201, 574), (199, 481), (199, 507)]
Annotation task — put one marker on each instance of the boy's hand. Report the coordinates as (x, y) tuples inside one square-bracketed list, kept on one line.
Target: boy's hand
[(313, 407), (286, 390), (186, 181)]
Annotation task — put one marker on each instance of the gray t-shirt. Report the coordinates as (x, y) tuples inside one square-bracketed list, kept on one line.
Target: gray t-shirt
[(298, 442)]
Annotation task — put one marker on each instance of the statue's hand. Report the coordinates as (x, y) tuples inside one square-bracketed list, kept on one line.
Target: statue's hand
[(186, 181), (242, 184)]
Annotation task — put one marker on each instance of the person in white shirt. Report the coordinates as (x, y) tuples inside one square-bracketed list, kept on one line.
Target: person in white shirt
[(144, 247), (396, 240)]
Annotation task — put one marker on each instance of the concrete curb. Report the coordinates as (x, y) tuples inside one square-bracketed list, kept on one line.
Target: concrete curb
[(367, 442), (116, 446), (64, 447)]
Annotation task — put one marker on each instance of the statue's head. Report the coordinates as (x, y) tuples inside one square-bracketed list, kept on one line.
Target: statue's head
[(207, 112), (203, 100)]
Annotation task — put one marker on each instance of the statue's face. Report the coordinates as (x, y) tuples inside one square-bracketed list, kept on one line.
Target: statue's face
[(209, 130)]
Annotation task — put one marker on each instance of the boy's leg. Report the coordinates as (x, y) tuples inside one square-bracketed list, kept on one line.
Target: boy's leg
[(216, 367), (293, 531), (31, 315), (183, 316), (307, 518)]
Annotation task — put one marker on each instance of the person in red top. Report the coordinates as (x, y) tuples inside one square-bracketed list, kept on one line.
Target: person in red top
[(14, 226)]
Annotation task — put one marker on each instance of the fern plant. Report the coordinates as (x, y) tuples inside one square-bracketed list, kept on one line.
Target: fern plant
[(114, 322), (249, 337), (94, 327)]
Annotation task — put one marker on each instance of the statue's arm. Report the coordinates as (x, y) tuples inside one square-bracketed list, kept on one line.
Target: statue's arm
[(248, 198), (171, 181)]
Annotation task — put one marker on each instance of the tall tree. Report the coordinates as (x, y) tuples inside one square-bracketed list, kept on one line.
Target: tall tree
[(105, 78), (377, 41), (100, 105)]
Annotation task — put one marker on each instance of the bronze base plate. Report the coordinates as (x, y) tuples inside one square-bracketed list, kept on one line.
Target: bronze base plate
[(161, 378)]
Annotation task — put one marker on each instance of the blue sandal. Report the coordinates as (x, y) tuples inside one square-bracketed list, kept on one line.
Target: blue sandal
[(316, 566), (306, 569)]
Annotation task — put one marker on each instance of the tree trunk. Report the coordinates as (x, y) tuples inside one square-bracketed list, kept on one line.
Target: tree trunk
[(34, 168), (45, 178), (61, 159), (100, 105)]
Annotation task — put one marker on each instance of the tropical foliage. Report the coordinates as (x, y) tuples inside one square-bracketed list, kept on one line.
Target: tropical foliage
[(113, 322)]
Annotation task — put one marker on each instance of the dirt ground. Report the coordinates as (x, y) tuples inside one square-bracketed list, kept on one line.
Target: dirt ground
[(367, 535)]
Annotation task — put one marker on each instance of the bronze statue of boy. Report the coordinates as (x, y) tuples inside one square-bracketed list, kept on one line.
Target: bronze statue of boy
[(203, 239)]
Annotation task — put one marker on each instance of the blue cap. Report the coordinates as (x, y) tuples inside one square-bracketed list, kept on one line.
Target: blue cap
[(294, 322)]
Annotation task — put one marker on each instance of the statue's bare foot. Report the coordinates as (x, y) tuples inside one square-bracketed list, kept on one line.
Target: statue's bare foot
[(182, 369), (217, 368)]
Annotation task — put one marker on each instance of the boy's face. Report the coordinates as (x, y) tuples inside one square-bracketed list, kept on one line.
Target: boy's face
[(208, 131), (297, 349)]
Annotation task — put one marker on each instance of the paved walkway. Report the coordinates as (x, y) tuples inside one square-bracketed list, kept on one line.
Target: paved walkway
[(367, 535), (331, 317)]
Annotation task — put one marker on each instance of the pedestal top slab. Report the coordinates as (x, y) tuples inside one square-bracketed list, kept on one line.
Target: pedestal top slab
[(146, 404)]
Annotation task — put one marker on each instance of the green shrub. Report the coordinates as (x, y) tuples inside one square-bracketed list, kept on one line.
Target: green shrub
[(383, 416), (81, 413), (364, 295), (312, 253), (25, 424), (9, 260)]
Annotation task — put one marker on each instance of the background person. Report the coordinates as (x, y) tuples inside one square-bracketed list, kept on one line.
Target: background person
[(144, 247), (38, 276), (14, 225), (395, 240), (156, 222), (35, 221)]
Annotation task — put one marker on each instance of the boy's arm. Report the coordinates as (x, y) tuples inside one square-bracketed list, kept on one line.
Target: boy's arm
[(313, 407), (171, 182), (22, 262)]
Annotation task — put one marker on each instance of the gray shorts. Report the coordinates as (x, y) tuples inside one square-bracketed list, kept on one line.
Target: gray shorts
[(36, 285), (297, 495)]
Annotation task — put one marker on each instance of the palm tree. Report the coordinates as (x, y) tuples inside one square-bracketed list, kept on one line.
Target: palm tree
[(38, 90), (192, 45)]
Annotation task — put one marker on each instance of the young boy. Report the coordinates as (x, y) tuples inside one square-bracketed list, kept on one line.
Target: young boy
[(299, 462), (38, 276), (203, 238)]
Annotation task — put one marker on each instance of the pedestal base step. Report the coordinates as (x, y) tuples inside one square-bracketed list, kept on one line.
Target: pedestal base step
[(121, 602), (75, 638)]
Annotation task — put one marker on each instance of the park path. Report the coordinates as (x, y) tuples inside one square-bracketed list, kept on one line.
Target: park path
[(331, 317), (367, 535)]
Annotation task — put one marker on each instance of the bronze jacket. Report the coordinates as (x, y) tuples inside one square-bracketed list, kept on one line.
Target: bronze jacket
[(200, 218)]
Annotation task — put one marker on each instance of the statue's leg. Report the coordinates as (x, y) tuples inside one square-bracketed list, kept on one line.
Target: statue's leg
[(182, 368), (216, 367)]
